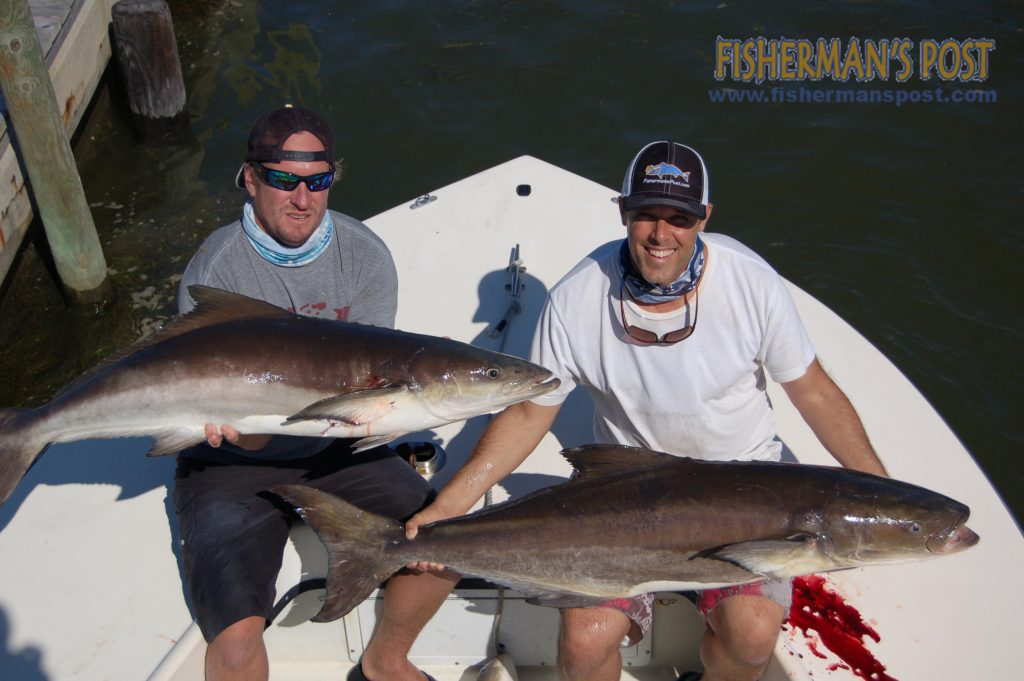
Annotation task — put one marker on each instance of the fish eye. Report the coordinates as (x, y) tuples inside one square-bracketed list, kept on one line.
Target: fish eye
[(493, 372), (915, 528)]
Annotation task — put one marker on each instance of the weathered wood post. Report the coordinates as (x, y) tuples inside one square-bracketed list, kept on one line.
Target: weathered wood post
[(46, 155), (148, 54)]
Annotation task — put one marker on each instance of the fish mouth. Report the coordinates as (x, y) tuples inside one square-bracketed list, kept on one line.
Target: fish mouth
[(522, 391), (957, 538), (530, 384), (546, 386)]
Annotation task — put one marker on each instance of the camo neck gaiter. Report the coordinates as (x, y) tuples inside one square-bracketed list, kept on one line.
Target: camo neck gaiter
[(281, 255), (645, 292)]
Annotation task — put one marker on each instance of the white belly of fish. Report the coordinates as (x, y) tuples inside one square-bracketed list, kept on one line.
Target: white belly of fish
[(176, 416), (404, 418)]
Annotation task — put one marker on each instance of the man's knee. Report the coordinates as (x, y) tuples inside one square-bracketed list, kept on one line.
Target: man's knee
[(591, 634), (235, 646), (747, 627)]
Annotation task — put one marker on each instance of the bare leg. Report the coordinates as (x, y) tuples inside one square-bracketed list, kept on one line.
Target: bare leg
[(588, 644), (740, 638), (410, 600), (238, 653)]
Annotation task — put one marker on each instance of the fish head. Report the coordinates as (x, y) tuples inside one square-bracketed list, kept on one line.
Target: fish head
[(457, 381), (887, 521)]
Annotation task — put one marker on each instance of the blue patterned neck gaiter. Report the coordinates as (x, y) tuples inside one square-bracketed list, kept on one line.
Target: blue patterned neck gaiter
[(281, 255), (643, 291)]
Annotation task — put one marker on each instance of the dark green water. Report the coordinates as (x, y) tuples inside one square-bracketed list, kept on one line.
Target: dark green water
[(903, 219)]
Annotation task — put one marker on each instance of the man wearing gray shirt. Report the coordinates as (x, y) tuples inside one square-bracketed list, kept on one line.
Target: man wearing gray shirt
[(290, 250)]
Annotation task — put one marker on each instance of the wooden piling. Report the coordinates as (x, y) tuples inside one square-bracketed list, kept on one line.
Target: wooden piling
[(148, 54), (46, 155)]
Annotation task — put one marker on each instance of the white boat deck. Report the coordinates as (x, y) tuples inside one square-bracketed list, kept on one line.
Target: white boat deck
[(91, 582)]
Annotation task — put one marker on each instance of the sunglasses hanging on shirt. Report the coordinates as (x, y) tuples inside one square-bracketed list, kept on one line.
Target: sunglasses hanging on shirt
[(648, 337)]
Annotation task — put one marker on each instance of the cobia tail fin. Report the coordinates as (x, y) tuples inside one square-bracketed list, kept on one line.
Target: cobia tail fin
[(17, 452), (355, 541)]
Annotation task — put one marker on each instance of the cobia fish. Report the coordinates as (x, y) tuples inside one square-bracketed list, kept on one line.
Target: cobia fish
[(244, 362), (634, 521)]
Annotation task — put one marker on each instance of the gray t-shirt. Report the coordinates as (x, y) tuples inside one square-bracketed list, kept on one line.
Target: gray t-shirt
[(353, 280)]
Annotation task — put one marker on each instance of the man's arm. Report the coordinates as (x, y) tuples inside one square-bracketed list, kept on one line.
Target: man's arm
[(835, 422), (509, 438)]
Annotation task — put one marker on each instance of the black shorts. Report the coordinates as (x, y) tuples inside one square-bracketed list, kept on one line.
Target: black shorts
[(233, 534)]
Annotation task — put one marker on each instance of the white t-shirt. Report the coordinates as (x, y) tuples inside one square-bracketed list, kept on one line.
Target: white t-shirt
[(702, 397)]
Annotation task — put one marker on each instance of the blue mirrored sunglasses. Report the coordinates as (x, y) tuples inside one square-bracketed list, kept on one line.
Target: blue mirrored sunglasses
[(279, 179)]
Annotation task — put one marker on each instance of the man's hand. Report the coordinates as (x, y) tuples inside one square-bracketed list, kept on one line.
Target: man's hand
[(430, 514), (216, 437)]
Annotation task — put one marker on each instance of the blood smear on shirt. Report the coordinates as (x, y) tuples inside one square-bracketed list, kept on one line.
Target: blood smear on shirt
[(838, 625)]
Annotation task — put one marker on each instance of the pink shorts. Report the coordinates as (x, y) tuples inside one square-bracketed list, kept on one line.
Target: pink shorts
[(778, 590), (640, 609)]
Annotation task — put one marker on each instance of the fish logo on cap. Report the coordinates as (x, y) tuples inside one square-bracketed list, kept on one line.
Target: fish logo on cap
[(663, 169)]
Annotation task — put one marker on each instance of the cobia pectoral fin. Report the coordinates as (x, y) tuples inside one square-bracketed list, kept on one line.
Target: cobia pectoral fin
[(791, 557), (353, 408)]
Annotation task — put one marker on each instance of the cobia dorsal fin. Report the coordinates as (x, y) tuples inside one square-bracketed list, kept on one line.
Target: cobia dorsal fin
[(591, 460), (213, 306)]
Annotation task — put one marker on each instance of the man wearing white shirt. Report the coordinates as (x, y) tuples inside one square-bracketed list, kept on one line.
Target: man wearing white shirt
[(671, 331)]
